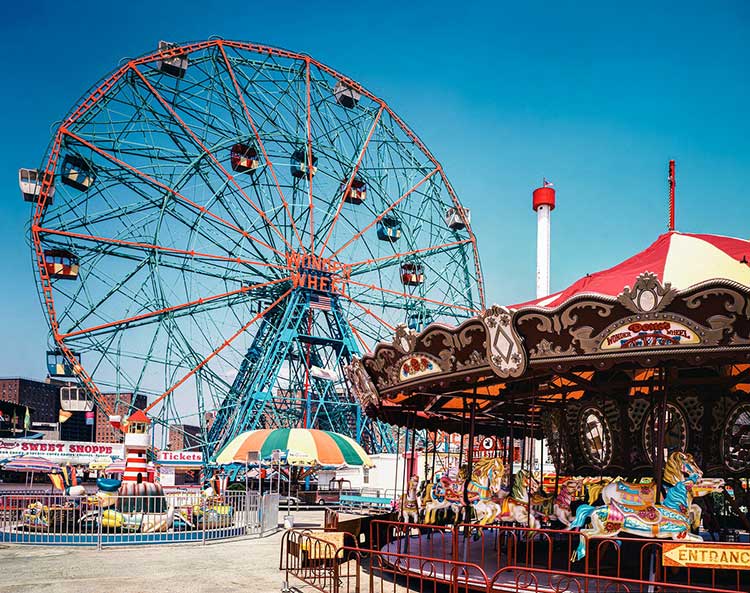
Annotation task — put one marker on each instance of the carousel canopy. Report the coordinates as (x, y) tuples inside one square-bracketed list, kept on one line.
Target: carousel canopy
[(680, 259), (669, 324)]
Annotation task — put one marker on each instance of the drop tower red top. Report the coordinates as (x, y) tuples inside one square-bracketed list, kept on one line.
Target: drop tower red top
[(544, 196)]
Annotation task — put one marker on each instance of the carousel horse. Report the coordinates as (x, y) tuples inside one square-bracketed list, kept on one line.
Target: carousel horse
[(667, 520), (679, 465), (410, 503), (443, 495), (515, 507), (561, 509), (485, 487)]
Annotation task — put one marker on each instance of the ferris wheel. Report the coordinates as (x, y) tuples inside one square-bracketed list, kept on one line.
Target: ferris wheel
[(220, 226)]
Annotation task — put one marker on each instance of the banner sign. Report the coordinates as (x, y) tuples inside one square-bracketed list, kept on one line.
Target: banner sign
[(179, 458), (649, 334), (77, 452)]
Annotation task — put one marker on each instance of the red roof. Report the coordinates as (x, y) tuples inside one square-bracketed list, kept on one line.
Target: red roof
[(139, 416), (683, 259)]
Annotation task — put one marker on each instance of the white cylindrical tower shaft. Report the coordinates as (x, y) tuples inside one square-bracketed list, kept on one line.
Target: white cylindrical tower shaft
[(542, 250)]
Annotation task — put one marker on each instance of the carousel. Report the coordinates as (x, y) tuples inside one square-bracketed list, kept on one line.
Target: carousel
[(636, 378)]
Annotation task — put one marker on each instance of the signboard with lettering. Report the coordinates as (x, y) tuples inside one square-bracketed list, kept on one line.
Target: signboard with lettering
[(706, 555), (60, 451), (186, 458), (649, 334)]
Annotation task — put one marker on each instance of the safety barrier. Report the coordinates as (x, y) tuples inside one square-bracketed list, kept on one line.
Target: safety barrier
[(495, 547), (321, 561), (121, 520)]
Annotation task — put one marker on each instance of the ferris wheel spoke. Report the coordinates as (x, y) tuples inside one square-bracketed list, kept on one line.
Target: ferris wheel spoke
[(370, 313), (171, 309), (261, 145), (351, 178), (215, 352), (415, 297), (151, 247), (396, 257), (166, 188), (359, 234), (218, 164)]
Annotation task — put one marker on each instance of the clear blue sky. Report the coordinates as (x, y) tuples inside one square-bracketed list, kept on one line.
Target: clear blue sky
[(595, 97)]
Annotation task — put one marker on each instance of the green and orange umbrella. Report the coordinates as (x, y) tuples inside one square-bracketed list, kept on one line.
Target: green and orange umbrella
[(302, 446)]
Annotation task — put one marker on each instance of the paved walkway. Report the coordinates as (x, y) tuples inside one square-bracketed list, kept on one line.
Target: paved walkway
[(250, 565)]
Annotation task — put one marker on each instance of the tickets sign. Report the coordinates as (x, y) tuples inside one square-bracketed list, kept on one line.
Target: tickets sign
[(179, 457), (649, 334), (736, 556)]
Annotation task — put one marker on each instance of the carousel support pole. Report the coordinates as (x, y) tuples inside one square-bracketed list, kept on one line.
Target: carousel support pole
[(469, 468), (661, 434)]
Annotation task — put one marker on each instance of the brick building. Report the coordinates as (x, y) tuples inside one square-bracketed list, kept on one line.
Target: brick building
[(126, 405), (43, 400), (183, 436)]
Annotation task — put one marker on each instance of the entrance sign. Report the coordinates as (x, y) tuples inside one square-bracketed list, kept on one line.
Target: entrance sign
[(735, 556)]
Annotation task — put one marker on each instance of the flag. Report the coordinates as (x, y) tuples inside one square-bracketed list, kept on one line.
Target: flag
[(320, 302), (27, 419), (63, 415), (57, 481), (548, 183)]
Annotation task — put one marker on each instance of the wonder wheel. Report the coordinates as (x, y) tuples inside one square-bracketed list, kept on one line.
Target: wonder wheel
[(220, 226)]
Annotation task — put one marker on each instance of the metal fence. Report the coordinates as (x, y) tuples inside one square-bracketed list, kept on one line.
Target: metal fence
[(101, 520), (497, 547), (316, 560)]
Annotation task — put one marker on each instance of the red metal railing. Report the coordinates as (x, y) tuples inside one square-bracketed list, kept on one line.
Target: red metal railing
[(495, 547), (333, 568)]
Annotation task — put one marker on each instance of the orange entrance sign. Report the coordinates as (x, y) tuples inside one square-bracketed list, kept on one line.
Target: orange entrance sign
[(736, 556)]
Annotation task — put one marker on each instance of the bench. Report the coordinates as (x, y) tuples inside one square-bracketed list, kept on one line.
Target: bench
[(358, 501)]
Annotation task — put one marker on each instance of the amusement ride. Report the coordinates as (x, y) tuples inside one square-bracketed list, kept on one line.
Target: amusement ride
[(222, 227)]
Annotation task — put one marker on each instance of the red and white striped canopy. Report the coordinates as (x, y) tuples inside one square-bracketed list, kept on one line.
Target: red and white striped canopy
[(682, 259)]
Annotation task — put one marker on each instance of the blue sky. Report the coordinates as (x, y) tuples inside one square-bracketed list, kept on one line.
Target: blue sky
[(595, 97)]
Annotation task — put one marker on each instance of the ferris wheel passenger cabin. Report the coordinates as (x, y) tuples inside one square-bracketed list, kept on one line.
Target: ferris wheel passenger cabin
[(454, 220), (60, 263), (173, 66), (58, 364), (30, 182), (244, 158), (357, 192), (345, 95), (389, 229), (418, 321), (74, 398), (299, 164), (77, 173), (412, 274)]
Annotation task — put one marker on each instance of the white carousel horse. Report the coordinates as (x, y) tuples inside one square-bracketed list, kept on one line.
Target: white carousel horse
[(410, 504), (443, 494), (667, 520), (679, 465), (485, 487), (561, 509), (515, 507)]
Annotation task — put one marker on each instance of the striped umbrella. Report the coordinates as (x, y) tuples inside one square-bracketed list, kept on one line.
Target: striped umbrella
[(30, 464), (303, 446)]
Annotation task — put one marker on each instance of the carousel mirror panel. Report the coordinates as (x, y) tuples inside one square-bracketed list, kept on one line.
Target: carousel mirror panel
[(675, 435), (596, 437), (736, 438)]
